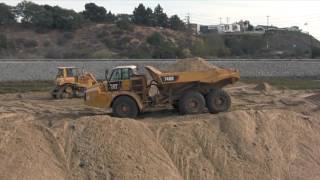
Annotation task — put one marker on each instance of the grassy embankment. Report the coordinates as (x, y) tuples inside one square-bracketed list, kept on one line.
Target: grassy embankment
[(25, 86)]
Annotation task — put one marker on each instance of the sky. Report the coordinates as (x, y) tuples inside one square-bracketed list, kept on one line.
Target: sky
[(283, 13)]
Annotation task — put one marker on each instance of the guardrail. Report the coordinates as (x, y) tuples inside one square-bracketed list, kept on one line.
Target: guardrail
[(45, 69)]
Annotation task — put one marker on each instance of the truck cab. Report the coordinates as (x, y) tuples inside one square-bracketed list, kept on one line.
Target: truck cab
[(67, 75), (123, 82)]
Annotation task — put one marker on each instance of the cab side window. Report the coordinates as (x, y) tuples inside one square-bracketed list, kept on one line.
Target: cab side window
[(116, 75), (71, 72), (121, 74), (126, 74)]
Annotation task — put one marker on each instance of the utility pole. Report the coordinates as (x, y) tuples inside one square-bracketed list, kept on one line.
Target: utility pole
[(189, 30), (220, 20), (268, 22), (267, 31), (188, 19), (227, 20)]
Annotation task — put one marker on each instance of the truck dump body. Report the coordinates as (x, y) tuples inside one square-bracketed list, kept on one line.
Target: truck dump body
[(207, 77)]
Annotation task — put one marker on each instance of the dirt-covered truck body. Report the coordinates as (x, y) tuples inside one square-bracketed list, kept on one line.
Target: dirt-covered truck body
[(129, 93)]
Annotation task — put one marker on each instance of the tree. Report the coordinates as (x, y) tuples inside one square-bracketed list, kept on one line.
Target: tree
[(161, 18), (64, 19), (176, 23), (6, 14), (47, 16), (97, 13), (110, 17), (29, 12), (142, 16)]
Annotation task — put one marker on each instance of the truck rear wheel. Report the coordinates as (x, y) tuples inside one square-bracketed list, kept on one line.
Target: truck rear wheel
[(191, 103), (218, 101), (125, 106)]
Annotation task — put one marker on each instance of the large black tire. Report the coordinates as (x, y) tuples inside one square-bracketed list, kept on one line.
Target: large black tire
[(125, 106), (65, 92), (191, 103), (218, 101), (55, 92)]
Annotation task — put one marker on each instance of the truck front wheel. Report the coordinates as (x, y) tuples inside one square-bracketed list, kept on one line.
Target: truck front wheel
[(125, 106), (218, 101), (191, 103)]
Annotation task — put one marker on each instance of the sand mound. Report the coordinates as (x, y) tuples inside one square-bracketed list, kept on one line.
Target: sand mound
[(243, 145), (270, 144), (192, 64), (28, 150), (263, 137), (265, 87)]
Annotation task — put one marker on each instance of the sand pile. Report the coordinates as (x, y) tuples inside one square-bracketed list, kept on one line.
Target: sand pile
[(260, 138), (97, 147), (271, 144), (243, 145), (192, 64)]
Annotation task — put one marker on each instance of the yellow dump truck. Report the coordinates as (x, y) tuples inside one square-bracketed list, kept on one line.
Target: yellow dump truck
[(128, 93)]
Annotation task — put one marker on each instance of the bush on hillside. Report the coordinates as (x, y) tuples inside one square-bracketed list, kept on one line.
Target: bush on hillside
[(315, 52), (156, 39), (3, 41), (125, 24)]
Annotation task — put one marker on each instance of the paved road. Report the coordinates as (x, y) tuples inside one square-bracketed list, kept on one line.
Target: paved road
[(17, 70)]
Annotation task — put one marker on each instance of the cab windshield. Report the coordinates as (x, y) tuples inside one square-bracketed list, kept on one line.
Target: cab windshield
[(121, 74), (60, 73)]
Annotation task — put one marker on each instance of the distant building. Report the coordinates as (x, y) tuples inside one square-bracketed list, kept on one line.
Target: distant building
[(120, 17), (294, 28), (221, 28), (195, 28)]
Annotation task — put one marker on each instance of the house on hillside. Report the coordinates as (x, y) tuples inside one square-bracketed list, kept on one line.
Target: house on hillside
[(221, 28)]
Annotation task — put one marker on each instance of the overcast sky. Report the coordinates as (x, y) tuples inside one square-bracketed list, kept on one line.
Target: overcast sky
[(283, 13)]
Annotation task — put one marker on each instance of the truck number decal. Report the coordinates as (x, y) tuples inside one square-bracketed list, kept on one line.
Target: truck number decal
[(169, 78), (114, 86)]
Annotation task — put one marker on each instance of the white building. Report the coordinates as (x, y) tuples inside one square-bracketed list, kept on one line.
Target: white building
[(225, 28)]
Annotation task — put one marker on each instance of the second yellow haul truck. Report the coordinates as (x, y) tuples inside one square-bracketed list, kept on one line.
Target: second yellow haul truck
[(128, 93)]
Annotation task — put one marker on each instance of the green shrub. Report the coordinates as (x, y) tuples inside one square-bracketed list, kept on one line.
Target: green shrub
[(76, 54), (102, 54), (102, 34), (125, 24), (155, 39), (46, 43), (29, 43), (25, 43), (53, 54), (118, 32), (315, 52), (3, 41)]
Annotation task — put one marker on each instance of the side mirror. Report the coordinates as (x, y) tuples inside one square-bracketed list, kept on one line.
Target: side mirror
[(106, 74)]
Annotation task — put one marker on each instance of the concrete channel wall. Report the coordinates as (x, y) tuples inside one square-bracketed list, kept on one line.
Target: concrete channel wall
[(25, 70)]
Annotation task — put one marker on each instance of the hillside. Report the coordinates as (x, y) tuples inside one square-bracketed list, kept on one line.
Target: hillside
[(111, 41)]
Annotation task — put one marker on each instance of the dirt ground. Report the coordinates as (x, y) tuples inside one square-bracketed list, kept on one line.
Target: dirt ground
[(268, 134)]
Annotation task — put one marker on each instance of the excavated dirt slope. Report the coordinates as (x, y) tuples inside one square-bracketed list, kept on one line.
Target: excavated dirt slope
[(273, 134)]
